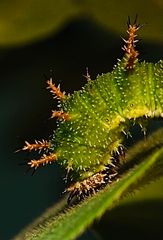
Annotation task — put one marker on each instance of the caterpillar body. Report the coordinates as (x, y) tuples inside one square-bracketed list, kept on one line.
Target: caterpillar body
[(92, 122)]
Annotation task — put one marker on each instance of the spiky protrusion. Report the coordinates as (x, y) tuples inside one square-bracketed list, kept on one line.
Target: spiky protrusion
[(131, 53), (87, 76), (61, 115), (86, 187), (97, 181), (55, 90), (92, 184), (45, 159), (38, 145)]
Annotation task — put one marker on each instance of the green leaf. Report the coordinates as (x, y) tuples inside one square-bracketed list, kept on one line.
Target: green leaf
[(73, 221), (113, 15), (23, 21)]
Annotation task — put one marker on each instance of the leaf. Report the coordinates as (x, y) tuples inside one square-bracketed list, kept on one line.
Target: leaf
[(24, 21), (113, 15), (139, 152), (73, 221)]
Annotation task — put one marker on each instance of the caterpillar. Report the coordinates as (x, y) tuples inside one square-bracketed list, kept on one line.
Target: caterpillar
[(92, 122)]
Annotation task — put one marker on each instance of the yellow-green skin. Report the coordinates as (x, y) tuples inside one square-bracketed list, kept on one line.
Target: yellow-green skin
[(102, 111)]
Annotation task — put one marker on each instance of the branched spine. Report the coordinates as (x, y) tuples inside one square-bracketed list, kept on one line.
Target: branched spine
[(55, 90), (38, 145), (131, 53), (45, 159), (60, 114)]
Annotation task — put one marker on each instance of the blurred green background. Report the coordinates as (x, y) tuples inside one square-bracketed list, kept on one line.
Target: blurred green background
[(64, 37)]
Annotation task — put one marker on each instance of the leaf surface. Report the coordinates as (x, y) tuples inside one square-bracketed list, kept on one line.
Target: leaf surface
[(73, 221)]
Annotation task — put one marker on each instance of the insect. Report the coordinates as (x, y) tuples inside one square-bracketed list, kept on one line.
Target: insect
[(92, 122)]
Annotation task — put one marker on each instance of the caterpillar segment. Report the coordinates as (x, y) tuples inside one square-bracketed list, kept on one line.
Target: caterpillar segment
[(94, 121), (105, 109), (99, 180)]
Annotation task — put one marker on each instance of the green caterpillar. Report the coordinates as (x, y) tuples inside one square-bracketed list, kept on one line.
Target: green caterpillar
[(92, 122)]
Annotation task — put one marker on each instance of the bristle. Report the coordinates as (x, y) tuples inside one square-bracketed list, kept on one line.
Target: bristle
[(60, 114), (86, 187), (87, 76), (55, 90), (93, 183), (38, 145), (131, 53), (45, 159)]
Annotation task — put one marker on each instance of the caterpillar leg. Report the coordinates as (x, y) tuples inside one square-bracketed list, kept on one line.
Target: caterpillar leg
[(91, 185), (94, 183), (86, 187)]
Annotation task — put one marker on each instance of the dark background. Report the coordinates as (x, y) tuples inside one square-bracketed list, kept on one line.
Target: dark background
[(26, 106)]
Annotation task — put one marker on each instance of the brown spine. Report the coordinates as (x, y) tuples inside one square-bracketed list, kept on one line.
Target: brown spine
[(131, 53), (45, 159), (55, 90)]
